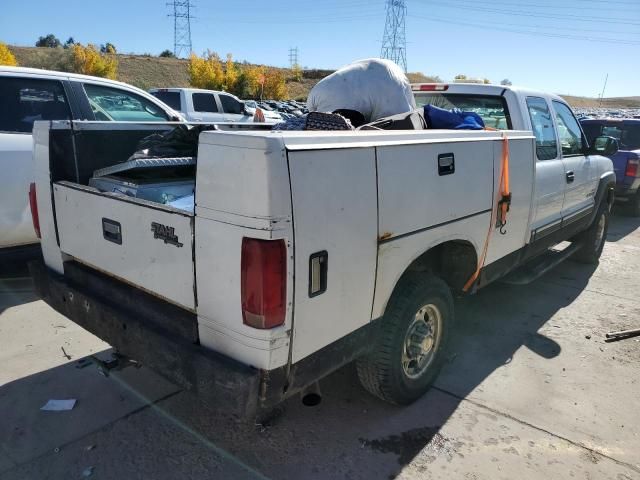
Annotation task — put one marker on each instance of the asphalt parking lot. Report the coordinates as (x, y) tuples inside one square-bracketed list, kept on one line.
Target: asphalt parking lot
[(531, 391)]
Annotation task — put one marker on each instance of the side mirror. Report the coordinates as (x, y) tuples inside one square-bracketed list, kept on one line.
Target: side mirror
[(604, 145)]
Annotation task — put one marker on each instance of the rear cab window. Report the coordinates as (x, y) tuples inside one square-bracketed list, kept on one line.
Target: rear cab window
[(204, 102), (25, 100), (491, 108), (172, 99), (627, 133), (543, 129), (113, 104)]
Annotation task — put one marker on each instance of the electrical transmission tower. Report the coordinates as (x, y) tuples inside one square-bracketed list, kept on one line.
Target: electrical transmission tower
[(394, 43), (181, 27), (293, 57)]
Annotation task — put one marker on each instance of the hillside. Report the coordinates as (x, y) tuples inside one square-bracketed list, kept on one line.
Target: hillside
[(145, 71)]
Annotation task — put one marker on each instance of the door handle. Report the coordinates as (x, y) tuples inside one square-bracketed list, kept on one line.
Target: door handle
[(446, 164), (112, 231), (570, 176)]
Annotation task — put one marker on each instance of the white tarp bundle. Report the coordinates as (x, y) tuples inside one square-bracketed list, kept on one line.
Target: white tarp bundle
[(374, 87)]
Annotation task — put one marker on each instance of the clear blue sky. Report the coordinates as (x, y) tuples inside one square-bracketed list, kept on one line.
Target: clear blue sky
[(562, 46)]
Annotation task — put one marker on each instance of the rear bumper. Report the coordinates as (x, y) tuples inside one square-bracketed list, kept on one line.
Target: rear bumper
[(155, 333)]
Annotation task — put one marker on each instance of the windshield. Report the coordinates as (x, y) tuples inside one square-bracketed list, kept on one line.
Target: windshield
[(491, 108)]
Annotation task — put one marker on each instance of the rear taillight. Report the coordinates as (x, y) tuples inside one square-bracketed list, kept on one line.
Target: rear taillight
[(33, 203), (632, 167), (263, 282)]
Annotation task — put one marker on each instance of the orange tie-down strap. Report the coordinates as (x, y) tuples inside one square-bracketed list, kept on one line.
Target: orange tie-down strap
[(498, 212)]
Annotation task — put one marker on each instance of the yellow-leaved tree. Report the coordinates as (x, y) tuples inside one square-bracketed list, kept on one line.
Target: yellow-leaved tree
[(89, 61), (206, 71), (275, 86), (6, 57), (230, 74)]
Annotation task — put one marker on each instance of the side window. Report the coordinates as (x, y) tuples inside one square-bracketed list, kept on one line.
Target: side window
[(546, 145), (112, 104), (23, 101), (569, 131), (204, 102), (231, 105), (170, 98)]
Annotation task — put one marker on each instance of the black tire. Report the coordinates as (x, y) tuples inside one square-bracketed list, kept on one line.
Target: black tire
[(381, 372), (593, 239)]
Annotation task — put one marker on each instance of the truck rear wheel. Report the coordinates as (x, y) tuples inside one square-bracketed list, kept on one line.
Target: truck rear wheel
[(409, 349), (594, 237)]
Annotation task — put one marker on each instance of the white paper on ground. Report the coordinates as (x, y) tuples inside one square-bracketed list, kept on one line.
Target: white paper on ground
[(59, 405)]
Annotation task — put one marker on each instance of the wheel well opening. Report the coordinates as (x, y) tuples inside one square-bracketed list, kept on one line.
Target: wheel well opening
[(453, 261)]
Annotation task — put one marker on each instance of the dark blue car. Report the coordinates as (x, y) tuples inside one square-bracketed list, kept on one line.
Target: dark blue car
[(626, 162)]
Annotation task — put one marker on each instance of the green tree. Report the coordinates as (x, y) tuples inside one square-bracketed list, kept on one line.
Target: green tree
[(167, 54), (108, 48), (50, 41), (69, 43)]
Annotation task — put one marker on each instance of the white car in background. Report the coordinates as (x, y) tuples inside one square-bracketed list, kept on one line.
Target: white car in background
[(199, 105), (27, 95)]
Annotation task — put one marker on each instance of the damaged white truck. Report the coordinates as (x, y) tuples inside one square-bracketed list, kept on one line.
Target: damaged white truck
[(306, 250)]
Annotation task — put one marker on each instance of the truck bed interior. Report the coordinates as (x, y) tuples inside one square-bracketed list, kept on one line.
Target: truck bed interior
[(83, 153)]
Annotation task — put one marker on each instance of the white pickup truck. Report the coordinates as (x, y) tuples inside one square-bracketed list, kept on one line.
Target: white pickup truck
[(308, 250)]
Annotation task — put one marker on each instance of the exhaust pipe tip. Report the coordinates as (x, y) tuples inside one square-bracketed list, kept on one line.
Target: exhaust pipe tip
[(311, 395)]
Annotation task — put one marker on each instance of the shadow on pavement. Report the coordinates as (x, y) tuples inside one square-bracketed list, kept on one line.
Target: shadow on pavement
[(621, 224), (353, 435), (349, 435)]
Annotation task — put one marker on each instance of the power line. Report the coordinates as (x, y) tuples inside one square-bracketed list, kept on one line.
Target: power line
[(484, 8), (181, 27), (529, 32), (394, 42)]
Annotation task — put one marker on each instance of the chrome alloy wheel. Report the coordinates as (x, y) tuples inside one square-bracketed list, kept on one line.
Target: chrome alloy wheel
[(422, 341)]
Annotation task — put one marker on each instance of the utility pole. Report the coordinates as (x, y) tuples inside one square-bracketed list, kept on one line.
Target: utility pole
[(394, 42), (293, 57), (603, 87), (181, 27)]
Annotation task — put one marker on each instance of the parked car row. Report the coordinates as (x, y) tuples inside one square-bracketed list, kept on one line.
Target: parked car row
[(607, 113), (287, 109)]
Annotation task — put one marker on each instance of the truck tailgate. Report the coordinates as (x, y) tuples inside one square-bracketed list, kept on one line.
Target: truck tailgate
[(146, 244)]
